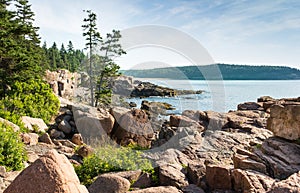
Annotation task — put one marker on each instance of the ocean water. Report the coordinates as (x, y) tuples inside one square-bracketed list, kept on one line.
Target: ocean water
[(221, 96)]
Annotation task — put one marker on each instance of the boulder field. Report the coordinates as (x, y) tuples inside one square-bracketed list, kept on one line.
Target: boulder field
[(255, 148)]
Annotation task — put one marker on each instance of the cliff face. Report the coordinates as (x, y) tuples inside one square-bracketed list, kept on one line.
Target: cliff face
[(62, 82)]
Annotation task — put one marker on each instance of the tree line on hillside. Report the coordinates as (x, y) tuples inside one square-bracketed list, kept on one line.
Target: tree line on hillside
[(219, 71), (63, 58)]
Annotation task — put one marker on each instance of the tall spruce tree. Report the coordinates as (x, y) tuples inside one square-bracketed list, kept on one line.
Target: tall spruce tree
[(29, 41), (26, 17), (6, 63), (93, 38), (20, 56), (64, 57)]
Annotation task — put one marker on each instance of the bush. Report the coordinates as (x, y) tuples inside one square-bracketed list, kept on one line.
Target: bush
[(109, 159), (12, 152), (33, 98)]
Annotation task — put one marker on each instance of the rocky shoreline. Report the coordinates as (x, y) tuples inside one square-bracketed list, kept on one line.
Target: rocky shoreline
[(147, 89), (123, 87), (253, 149)]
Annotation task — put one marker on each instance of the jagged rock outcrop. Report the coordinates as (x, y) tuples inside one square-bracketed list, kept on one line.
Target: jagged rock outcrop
[(133, 127), (109, 183), (281, 157), (250, 106), (122, 85), (62, 82), (172, 175), (32, 123), (29, 138), (218, 177), (50, 173), (192, 188), (146, 89), (183, 121), (196, 171), (92, 123), (285, 121), (246, 160), (159, 189), (291, 184), (45, 138), (251, 181)]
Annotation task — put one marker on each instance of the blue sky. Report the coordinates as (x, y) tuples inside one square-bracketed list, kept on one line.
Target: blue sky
[(239, 32)]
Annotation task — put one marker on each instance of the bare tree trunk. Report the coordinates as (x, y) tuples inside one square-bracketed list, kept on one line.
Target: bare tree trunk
[(91, 78), (99, 86)]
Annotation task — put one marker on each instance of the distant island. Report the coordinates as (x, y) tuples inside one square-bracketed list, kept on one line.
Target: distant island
[(228, 71)]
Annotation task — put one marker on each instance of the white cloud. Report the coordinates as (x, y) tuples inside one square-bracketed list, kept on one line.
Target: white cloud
[(65, 18), (252, 31)]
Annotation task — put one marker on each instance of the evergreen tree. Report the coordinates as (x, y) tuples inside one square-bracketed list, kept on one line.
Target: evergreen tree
[(93, 38), (54, 57), (20, 56), (78, 58), (70, 47), (25, 16), (108, 68), (6, 61), (44, 47), (29, 40), (64, 58), (45, 57)]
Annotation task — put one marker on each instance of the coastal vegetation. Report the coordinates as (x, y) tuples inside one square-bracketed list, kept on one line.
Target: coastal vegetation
[(31, 98), (22, 88), (12, 152), (111, 159)]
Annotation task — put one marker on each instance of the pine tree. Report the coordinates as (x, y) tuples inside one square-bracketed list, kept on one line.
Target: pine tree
[(93, 38), (108, 68), (64, 58), (45, 57), (70, 47), (26, 17), (78, 58), (19, 56), (32, 56), (54, 56)]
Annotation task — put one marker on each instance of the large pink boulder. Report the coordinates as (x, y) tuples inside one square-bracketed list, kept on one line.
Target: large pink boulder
[(51, 173)]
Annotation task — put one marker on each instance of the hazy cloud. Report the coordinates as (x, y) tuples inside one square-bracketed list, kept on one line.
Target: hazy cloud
[(239, 31)]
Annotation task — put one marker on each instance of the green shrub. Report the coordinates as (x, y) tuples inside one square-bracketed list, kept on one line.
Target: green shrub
[(12, 152), (109, 159), (33, 98)]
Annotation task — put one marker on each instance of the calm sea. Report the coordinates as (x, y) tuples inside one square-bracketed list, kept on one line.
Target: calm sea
[(222, 96)]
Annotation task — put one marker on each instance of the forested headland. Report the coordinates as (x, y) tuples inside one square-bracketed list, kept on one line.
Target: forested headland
[(213, 72)]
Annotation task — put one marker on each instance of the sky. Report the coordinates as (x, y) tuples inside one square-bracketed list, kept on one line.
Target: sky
[(254, 32)]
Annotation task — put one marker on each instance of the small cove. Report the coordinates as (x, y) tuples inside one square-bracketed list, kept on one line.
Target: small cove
[(222, 96)]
